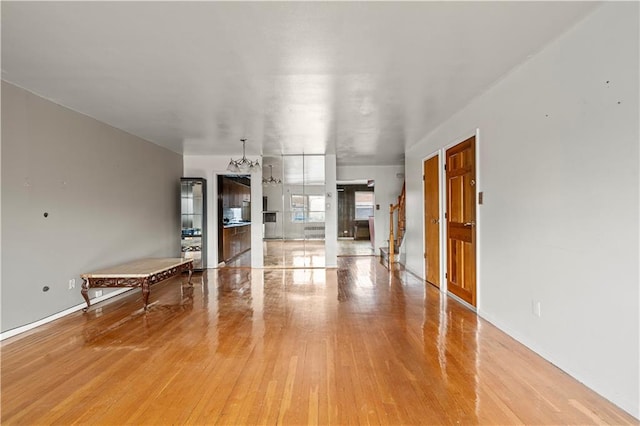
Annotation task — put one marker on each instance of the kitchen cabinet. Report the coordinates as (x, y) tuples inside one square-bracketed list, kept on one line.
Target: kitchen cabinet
[(236, 240)]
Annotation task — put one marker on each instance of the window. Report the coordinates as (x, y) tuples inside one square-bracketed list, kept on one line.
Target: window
[(307, 208), (298, 207), (364, 205)]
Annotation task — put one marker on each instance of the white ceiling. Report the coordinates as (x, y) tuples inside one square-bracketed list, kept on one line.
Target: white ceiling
[(295, 169), (362, 80)]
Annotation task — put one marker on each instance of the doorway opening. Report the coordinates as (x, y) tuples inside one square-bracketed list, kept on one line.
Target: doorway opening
[(356, 209), (234, 220)]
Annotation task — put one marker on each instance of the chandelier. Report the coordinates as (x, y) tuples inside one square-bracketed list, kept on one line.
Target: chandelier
[(243, 165), (271, 180)]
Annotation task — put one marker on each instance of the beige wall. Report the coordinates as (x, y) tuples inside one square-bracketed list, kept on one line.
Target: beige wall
[(558, 165), (110, 197)]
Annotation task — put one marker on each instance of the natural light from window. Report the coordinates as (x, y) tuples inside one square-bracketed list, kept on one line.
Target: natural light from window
[(364, 205), (307, 208)]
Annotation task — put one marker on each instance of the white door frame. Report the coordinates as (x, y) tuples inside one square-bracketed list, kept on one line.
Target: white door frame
[(442, 152)]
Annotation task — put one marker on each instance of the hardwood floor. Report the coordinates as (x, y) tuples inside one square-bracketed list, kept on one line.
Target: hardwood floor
[(356, 345), (281, 254), (241, 261), (351, 247), (294, 253)]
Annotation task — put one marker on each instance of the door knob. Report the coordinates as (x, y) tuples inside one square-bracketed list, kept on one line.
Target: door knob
[(472, 223)]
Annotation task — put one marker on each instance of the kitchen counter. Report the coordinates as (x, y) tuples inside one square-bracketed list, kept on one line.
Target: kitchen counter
[(235, 224)]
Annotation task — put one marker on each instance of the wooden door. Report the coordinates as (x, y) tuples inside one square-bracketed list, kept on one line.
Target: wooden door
[(432, 221), (344, 219), (461, 220)]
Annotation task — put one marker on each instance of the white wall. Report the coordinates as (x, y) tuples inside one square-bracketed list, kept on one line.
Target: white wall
[(558, 159), (209, 167), (110, 197), (386, 191)]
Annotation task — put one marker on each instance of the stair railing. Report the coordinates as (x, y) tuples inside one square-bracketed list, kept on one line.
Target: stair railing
[(401, 224)]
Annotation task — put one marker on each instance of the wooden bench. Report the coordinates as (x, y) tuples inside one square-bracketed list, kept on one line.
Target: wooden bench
[(139, 273)]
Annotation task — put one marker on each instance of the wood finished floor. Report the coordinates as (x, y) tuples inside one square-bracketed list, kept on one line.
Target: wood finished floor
[(294, 253), (351, 247), (356, 345), (310, 253)]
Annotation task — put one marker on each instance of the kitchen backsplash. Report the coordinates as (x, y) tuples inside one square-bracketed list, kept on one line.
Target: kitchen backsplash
[(232, 214)]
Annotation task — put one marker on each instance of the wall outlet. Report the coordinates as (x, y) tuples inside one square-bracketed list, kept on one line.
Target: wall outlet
[(72, 283), (98, 293), (536, 308)]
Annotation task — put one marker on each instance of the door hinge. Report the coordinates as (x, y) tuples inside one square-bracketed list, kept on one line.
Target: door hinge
[(445, 215), (423, 178), (445, 275), (445, 167)]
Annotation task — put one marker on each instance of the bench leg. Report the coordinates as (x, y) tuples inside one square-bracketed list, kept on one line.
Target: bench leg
[(190, 273), (145, 292), (85, 293)]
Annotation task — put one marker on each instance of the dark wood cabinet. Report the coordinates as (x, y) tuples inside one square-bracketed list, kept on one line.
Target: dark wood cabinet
[(234, 193), (234, 210), (236, 240)]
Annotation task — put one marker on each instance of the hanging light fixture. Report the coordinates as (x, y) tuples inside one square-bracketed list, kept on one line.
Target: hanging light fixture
[(243, 165), (271, 180)]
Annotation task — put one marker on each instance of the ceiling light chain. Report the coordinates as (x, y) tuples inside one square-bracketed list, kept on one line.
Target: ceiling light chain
[(271, 180), (243, 165)]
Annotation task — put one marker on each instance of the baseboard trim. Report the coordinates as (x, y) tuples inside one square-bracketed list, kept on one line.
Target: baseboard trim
[(463, 302), (27, 327)]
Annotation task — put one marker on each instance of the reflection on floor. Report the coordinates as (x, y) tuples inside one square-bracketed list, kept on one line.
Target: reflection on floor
[(241, 261), (351, 247), (294, 253), (301, 253), (356, 345)]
